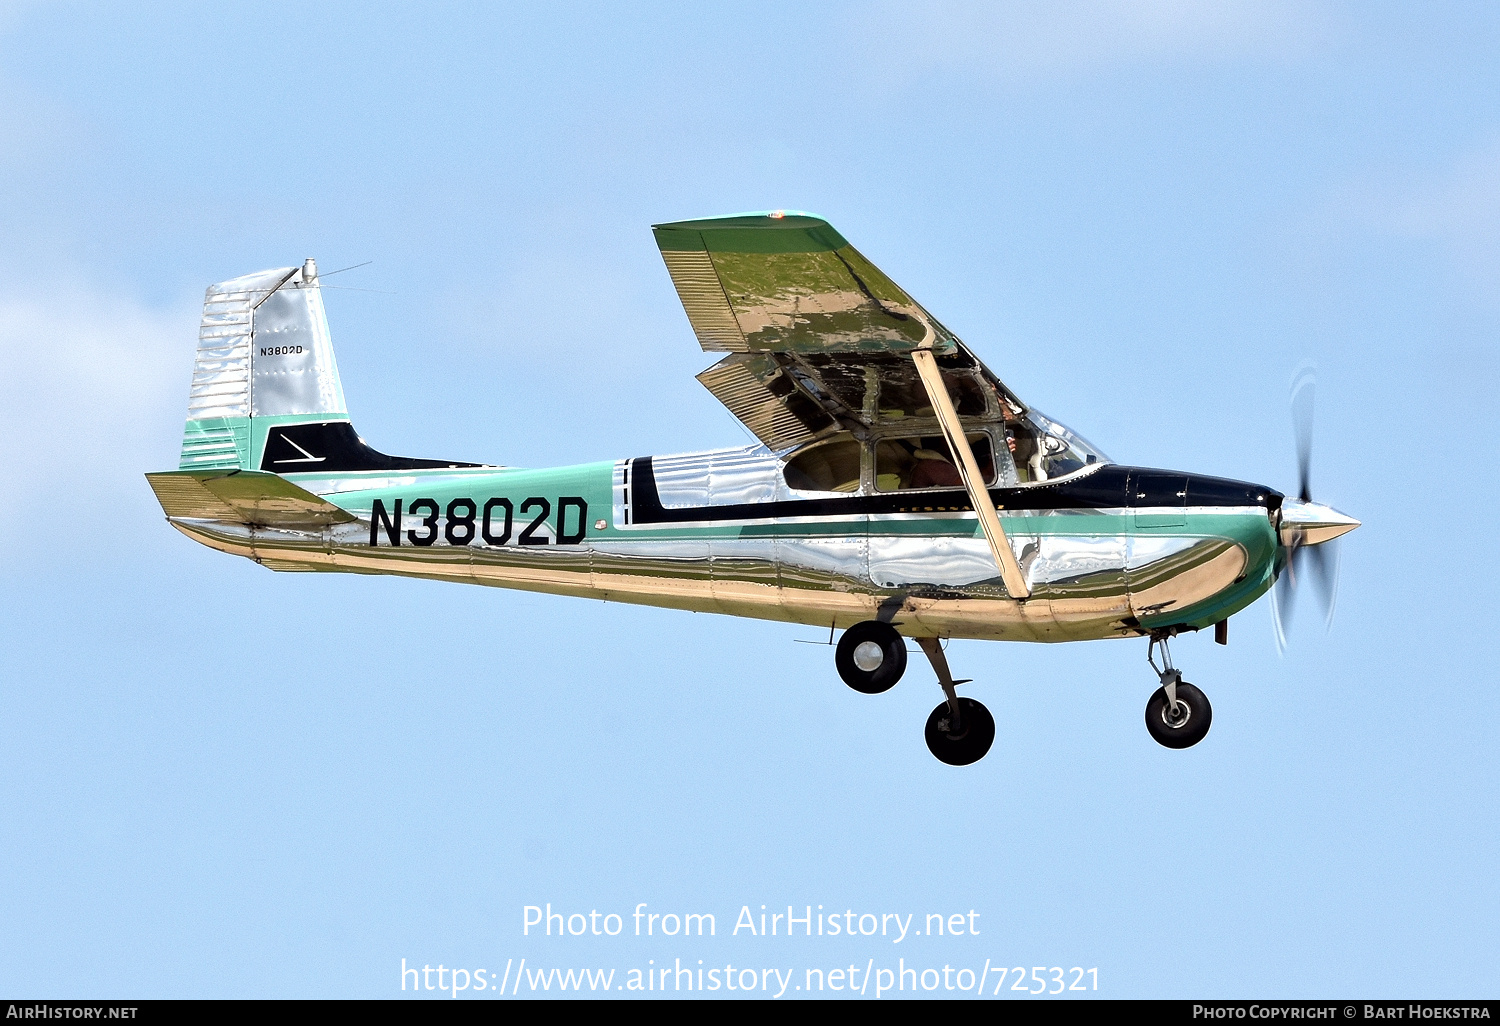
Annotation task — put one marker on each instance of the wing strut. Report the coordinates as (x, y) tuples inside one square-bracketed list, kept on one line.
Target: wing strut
[(958, 444)]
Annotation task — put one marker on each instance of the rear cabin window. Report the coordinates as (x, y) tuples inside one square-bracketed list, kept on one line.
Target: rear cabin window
[(829, 467), (902, 464)]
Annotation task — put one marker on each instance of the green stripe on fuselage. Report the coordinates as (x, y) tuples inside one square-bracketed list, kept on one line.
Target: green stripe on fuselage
[(594, 483)]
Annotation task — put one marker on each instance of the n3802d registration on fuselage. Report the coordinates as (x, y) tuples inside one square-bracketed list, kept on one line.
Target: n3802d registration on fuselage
[(900, 490)]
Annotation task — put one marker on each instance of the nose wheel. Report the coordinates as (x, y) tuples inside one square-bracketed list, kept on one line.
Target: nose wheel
[(1177, 714)]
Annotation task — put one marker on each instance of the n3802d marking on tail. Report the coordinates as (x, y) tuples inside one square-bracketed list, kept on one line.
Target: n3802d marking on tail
[(900, 490)]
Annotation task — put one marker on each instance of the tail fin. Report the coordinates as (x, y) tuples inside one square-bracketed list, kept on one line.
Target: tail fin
[(265, 359)]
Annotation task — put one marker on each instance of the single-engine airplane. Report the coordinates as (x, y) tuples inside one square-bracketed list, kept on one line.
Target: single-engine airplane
[(899, 489)]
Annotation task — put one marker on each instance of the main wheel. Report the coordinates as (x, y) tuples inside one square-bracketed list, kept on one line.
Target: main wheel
[(975, 734), (871, 657), (1184, 726)]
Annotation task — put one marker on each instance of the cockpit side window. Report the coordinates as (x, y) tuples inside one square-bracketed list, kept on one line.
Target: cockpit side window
[(826, 467), (924, 461), (1043, 449)]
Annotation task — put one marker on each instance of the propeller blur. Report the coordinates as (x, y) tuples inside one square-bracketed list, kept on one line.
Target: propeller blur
[(1308, 530)]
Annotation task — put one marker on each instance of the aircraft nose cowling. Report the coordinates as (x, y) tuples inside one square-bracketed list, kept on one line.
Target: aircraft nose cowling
[(1311, 523), (1222, 491)]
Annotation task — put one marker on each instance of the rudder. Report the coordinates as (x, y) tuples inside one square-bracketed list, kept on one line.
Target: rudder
[(264, 358)]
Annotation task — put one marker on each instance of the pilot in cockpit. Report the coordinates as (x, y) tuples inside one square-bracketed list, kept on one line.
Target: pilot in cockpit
[(1023, 450), (933, 469), (926, 462)]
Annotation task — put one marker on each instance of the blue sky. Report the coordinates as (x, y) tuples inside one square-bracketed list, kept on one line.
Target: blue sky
[(219, 781)]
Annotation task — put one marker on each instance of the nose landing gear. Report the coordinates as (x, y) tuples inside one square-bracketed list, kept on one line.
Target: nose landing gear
[(1177, 714)]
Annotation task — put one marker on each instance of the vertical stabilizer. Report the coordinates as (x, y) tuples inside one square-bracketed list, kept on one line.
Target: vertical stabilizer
[(264, 351)]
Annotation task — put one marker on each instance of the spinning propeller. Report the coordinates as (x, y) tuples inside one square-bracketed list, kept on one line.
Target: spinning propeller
[(1308, 529)]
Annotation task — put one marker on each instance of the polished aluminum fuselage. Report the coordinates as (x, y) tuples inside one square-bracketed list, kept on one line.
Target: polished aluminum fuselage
[(1108, 552)]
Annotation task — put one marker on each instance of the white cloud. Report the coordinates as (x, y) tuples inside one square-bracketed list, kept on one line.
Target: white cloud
[(93, 391)]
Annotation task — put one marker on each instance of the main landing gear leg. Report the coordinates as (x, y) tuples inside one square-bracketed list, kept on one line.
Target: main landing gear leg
[(933, 649), (960, 730), (1177, 714)]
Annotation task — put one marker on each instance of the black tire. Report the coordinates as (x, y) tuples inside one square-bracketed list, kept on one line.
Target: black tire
[(889, 654), (969, 745), (1200, 716)]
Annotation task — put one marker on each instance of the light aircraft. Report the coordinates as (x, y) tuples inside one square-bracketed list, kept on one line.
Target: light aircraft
[(899, 489)]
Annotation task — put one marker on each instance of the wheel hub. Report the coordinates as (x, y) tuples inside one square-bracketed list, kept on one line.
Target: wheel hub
[(945, 726), (1176, 716), (868, 656)]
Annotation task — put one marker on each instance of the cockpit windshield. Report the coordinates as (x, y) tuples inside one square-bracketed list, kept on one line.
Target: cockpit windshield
[(1043, 449)]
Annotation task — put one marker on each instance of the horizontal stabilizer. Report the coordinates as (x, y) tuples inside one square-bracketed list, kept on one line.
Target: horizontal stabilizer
[(249, 497)]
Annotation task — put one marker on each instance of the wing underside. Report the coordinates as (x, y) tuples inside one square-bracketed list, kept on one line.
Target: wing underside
[(819, 338), (822, 341)]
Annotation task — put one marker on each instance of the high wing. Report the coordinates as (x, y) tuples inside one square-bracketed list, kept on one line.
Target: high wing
[(820, 339), (787, 282)]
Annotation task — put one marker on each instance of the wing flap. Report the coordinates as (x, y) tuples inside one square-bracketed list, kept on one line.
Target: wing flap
[(762, 394)]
